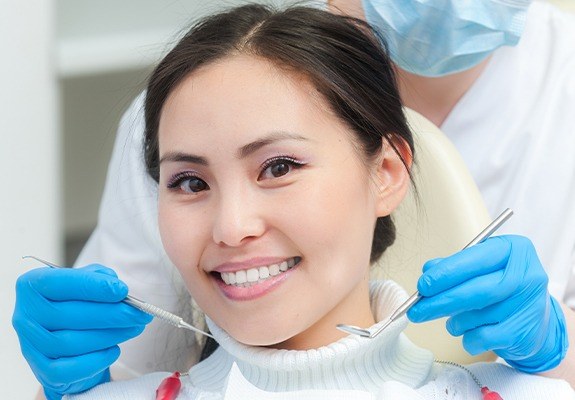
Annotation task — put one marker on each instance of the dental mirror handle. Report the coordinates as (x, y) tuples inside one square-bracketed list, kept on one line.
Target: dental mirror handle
[(148, 308)]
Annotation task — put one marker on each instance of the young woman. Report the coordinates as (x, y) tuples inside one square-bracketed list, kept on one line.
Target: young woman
[(280, 148)]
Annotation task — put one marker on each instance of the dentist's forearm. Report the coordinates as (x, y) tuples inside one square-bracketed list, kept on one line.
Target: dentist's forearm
[(566, 370)]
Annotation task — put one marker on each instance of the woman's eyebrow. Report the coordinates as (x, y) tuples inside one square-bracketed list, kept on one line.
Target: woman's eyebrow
[(273, 137), (243, 151), (183, 157)]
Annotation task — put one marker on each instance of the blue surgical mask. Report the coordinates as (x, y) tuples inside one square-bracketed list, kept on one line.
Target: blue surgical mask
[(441, 37)]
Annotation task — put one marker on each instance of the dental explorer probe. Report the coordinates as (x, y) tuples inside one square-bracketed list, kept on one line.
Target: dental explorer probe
[(415, 297), (148, 308)]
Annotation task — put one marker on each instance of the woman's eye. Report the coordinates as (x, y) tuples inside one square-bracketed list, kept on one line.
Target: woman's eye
[(193, 185), (278, 167), (188, 184)]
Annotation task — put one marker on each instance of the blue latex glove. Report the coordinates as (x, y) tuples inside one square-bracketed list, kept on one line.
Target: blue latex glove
[(69, 322), (495, 294)]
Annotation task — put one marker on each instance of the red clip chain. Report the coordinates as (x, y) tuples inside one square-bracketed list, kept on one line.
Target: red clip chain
[(485, 391), (169, 388)]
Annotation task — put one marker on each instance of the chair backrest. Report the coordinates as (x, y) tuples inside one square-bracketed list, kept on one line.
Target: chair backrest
[(442, 215)]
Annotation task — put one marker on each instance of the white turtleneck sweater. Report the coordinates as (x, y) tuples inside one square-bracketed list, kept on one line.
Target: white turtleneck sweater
[(387, 367)]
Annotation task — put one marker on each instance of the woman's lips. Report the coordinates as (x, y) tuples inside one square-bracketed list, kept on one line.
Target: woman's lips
[(248, 284)]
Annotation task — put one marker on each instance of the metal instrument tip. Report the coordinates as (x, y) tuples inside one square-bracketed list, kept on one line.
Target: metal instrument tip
[(184, 324), (353, 330)]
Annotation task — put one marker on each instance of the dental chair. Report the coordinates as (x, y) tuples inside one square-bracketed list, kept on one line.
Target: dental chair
[(438, 219)]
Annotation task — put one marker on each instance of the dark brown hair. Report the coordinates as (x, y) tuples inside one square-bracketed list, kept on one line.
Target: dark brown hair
[(341, 56)]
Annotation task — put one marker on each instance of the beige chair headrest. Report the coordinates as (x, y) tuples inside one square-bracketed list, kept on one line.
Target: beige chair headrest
[(438, 219)]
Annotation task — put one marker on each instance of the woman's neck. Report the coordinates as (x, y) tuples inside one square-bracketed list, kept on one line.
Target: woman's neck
[(435, 98), (355, 309)]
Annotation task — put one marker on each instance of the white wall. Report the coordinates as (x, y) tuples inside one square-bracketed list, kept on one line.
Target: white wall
[(29, 172)]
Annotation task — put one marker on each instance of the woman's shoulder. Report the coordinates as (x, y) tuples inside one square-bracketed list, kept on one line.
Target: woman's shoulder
[(141, 388), (513, 384)]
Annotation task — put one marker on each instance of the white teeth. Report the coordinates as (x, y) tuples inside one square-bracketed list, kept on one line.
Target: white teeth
[(274, 269), (241, 276), (264, 272), (253, 275), (244, 278)]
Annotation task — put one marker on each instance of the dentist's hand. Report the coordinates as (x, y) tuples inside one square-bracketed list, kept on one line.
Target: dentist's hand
[(69, 322), (495, 294)]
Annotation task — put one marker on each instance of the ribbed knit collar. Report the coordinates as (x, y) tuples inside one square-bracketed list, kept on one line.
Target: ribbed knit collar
[(350, 363)]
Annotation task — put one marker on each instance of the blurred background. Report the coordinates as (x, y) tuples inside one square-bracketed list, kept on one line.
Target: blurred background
[(69, 69)]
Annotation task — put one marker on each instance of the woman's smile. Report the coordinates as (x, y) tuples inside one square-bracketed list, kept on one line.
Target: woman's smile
[(253, 282)]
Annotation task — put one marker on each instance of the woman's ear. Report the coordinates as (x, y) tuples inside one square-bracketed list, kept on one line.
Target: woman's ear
[(392, 174)]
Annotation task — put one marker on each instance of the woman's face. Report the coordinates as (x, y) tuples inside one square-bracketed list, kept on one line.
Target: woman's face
[(265, 207)]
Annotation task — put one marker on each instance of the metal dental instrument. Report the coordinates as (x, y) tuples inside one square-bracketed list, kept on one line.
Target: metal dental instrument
[(151, 309), (414, 298)]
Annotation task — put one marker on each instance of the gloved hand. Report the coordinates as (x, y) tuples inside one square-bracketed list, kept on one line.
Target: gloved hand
[(495, 294), (69, 322)]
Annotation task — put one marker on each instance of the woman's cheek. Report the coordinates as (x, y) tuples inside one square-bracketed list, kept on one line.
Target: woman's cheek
[(170, 233), (183, 237)]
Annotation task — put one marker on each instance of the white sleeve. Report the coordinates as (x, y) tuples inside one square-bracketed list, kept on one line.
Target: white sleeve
[(127, 240)]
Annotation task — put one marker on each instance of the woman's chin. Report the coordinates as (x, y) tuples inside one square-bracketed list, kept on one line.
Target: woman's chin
[(266, 337), (262, 341)]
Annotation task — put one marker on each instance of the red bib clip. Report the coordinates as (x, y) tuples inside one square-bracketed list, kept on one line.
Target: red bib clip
[(489, 395), (169, 388)]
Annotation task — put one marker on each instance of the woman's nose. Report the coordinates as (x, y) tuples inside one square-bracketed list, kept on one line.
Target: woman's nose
[(238, 218)]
